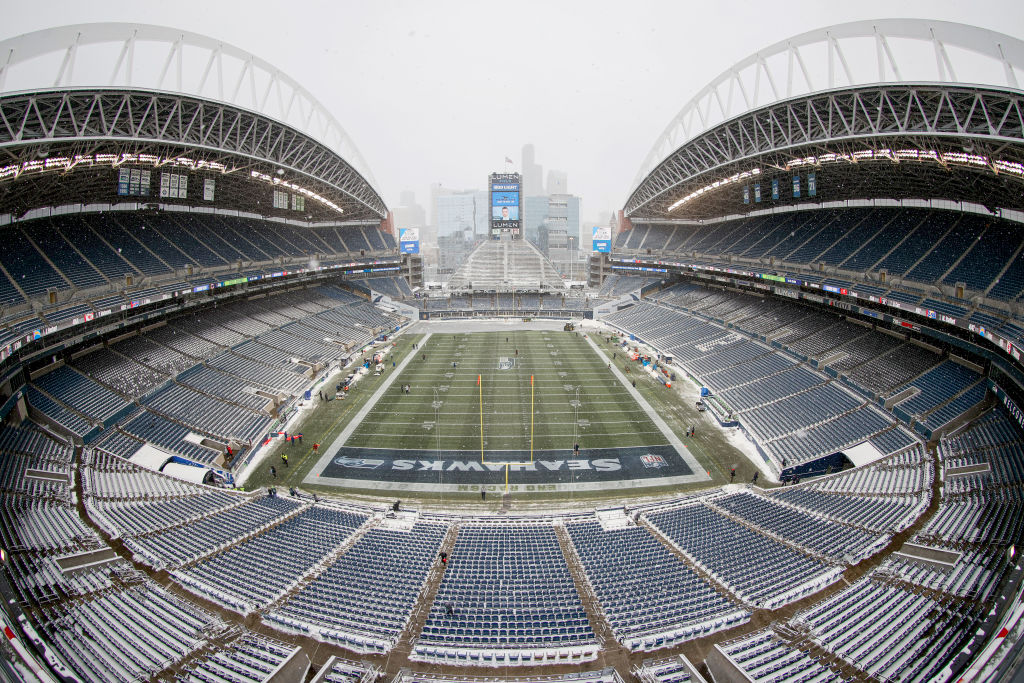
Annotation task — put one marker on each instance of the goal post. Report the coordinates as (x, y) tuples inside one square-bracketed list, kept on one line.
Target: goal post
[(483, 452)]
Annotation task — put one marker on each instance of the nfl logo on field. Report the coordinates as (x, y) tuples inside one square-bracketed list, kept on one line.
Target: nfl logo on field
[(653, 460)]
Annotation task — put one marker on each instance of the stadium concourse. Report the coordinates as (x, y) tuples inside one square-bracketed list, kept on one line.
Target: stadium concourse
[(776, 438)]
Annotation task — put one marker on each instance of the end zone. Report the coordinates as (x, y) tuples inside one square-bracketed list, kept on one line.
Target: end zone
[(462, 471)]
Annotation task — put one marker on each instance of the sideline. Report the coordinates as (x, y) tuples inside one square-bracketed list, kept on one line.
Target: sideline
[(676, 442), (358, 418), (294, 424), (736, 437)]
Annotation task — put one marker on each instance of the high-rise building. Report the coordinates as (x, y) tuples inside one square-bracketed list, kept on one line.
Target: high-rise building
[(572, 219), (435, 191), (428, 238), (554, 241), (535, 210), (453, 250), (459, 211), (564, 208), (533, 173), (409, 214), (558, 211), (557, 239), (558, 182)]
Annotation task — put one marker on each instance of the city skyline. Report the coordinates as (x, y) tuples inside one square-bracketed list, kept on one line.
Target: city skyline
[(449, 210)]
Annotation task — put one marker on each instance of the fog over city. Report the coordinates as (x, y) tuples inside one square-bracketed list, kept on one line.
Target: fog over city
[(444, 92)]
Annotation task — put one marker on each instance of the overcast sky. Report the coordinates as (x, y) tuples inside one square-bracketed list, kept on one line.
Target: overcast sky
[(444, 91)]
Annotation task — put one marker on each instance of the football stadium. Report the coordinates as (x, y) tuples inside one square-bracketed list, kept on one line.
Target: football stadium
[(776, 435)]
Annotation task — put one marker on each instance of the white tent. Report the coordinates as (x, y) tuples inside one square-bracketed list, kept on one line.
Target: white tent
[(151, 457), (863, 453), (189, 473)]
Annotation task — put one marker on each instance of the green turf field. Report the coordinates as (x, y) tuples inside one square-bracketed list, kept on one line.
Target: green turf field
[(324, 424), (565, 369)]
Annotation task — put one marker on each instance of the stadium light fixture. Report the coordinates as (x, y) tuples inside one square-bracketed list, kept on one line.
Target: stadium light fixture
[(295, 188), (923, 155), (997, 166), (68, 163), (735, 178), (1010, 167)]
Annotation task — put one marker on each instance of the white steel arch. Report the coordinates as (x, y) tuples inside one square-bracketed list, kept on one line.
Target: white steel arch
[(122, 55), (852, 54)]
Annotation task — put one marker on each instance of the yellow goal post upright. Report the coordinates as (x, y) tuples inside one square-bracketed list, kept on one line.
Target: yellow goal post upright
[(483, 456)]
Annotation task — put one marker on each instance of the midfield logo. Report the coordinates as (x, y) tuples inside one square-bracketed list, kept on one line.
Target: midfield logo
[(506, 363)]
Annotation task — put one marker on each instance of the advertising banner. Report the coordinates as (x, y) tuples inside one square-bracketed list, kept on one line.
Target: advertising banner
[(409, 240)]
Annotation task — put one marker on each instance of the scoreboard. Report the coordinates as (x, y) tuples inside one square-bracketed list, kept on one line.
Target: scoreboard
[(506, 204)]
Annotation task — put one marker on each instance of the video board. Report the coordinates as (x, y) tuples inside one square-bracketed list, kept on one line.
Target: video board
[(602, 239), (506, 203), (409, 240)]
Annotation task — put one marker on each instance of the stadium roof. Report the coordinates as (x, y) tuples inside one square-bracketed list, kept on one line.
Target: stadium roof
[(895, 108), (75, 99)]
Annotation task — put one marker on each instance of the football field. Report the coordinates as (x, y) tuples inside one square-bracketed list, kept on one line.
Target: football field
[(498, 391), (500, 409)]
